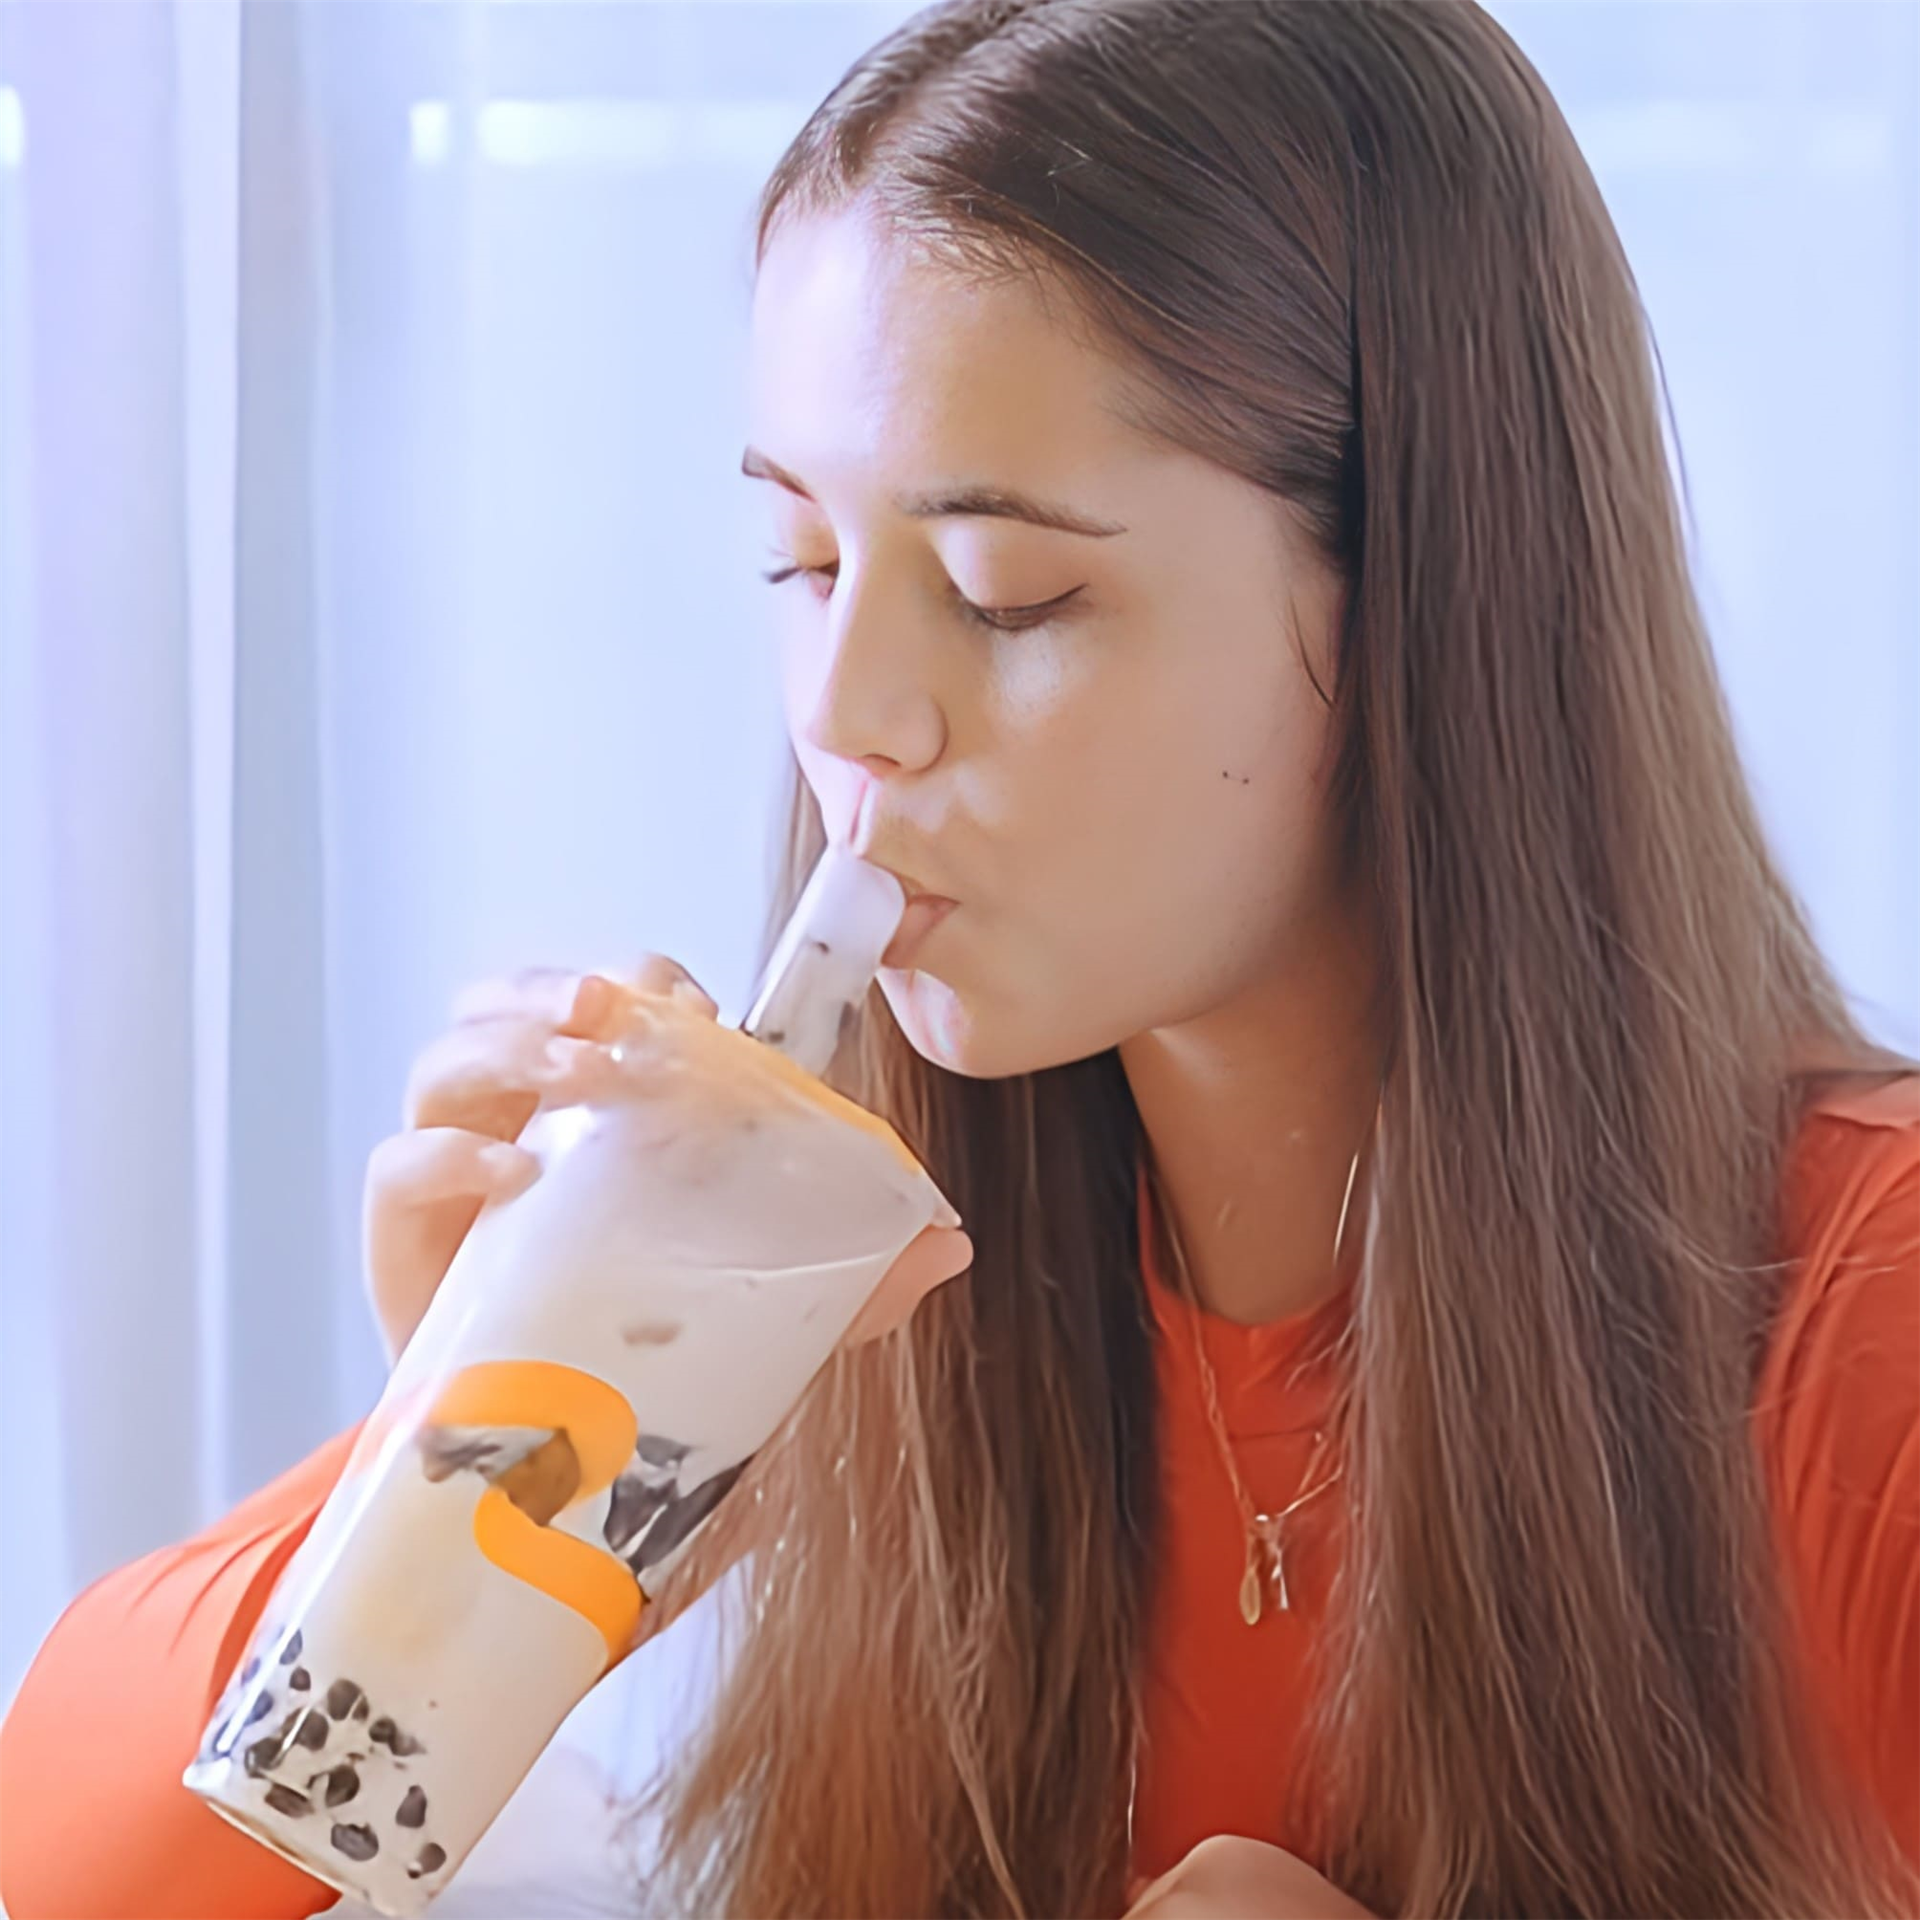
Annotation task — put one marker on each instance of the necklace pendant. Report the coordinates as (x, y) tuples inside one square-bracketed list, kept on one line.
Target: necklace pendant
[(1265, 1540), (1250, 1594)]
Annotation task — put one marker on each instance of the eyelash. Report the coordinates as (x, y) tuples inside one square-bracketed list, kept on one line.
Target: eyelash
[(994, 619)]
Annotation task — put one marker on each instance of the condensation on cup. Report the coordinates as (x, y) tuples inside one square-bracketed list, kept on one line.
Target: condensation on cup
[(606, 1353)]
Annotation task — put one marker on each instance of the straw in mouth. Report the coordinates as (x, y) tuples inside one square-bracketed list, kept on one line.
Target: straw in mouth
[(826, 958)]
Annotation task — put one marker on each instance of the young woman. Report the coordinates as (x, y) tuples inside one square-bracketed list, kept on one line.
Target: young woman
[(1432, 1425)]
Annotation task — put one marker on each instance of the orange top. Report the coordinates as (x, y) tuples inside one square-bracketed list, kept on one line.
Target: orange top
[(1838, 1424), (91, 1754)]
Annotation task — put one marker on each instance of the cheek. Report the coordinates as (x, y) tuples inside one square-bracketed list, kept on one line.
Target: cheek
[(801, 675), (1247, 840), (1184, 829), (1196, 769)]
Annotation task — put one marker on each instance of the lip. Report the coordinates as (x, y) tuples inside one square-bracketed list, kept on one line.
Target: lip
[(925, 912), (925, 909), (910, 884)]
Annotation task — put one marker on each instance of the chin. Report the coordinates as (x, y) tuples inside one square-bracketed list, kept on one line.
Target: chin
[(953, 1029)]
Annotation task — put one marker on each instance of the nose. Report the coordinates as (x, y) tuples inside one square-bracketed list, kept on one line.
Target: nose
[(867, 696)]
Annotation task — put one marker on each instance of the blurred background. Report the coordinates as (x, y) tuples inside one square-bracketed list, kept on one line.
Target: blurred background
[(378, 607)]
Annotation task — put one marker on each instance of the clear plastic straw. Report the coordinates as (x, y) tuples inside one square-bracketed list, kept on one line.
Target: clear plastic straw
[(825, 960)]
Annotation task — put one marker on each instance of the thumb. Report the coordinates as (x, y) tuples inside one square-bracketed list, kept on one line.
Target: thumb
[(933, 1257)]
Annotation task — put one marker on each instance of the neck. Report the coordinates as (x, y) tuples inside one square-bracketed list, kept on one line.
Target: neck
[(1254, 1112)]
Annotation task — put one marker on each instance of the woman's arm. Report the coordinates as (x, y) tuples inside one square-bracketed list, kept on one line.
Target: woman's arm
[(98, 1826)]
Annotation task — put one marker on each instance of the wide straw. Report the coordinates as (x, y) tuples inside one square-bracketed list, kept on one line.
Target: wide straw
[(825, 960)]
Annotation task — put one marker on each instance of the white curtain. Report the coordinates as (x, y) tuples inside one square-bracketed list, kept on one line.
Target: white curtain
[(376, 603)]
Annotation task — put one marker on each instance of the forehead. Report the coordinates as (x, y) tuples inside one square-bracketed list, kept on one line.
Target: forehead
[(867, 356)]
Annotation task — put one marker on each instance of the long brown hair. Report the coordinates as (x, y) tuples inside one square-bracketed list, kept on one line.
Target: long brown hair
[(1356, 255)]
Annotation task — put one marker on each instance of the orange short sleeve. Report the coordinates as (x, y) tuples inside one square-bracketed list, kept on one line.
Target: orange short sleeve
[(1839, 1411), (98, 1826)]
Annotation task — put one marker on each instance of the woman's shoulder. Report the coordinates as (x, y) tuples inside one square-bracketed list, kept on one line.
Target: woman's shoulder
[(1838, 1416), (1858, 1131), (1849, 1311), (1850, 1208)]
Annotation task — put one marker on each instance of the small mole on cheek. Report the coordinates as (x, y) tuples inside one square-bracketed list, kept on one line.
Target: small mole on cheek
[(1246, 779)]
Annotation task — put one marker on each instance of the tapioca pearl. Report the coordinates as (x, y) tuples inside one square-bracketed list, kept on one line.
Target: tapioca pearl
[(264, 1755), (262, 1706), (250, 1669), (283, 1799), (310, 1728), (413, 1809), (357, 1843), (300, 1680), (342, 1784), (344, 1697), (383, 1733), (291, 1651), (430, 1859)]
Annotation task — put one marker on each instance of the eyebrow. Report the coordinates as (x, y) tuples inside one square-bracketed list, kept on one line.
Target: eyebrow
[(977, 502)]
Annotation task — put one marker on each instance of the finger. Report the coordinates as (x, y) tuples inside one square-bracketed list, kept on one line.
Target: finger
[(488, 1076), (424, 1192), (585, 1005), (935, 1256), (411, 1170), (658, 974)]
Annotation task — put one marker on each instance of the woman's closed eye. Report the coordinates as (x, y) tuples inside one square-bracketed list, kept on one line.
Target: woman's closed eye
[(998, 619)]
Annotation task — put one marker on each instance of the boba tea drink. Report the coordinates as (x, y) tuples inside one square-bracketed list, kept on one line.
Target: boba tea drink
[(606, 1353)]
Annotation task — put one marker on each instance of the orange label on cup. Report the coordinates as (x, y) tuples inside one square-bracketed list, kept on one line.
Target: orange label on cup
[(599, 1427)]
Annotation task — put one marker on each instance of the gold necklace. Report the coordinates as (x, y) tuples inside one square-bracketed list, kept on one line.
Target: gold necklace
[(1262, 1530), (1266, 1551)]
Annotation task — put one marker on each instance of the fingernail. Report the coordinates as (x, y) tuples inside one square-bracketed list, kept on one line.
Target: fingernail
[(593, 1001), (506, 1164)]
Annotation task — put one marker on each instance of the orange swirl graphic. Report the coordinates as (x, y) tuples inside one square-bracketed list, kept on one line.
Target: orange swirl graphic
[(599, 1425)]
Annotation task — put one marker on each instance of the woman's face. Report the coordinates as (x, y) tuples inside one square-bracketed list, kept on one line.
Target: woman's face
[(1100, 740)]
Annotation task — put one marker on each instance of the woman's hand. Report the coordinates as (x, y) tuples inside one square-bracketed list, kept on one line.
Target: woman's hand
[(1228, 1878), (539, 1036)]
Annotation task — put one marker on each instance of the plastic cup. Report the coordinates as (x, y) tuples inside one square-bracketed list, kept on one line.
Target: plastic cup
[(606, 1353)]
